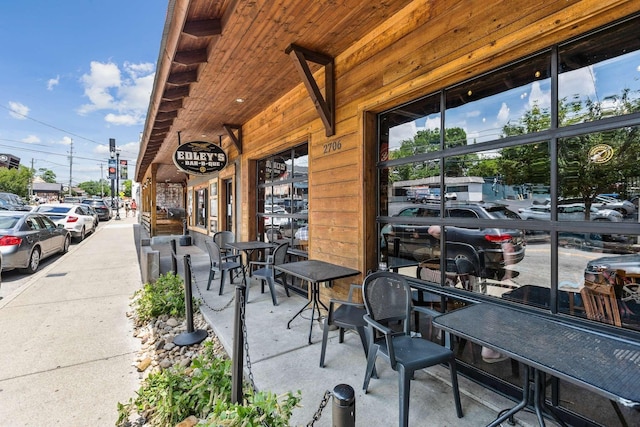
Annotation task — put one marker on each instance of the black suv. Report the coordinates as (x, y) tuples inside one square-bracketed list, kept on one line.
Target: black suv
[(101, 207), (484, 247)]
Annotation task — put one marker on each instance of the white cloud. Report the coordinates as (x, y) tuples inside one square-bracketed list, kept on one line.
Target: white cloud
[(503, 114), (53, 83), (18, 111), (128, 150), (580, 82), (121, 119), (125, 92), (65, 141), (97, 85), (539, 97), (31, 139)]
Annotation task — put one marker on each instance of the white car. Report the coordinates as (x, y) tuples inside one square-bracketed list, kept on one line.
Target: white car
[(569, 212), (75, 217)]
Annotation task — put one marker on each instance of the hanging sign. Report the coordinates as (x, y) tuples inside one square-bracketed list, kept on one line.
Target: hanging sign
[(199, 158)]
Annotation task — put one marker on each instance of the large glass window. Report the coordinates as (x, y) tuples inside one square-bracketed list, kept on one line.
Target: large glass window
[(490, 191), (283, 194)]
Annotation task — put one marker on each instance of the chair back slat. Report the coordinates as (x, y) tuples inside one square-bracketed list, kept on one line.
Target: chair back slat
[(222, 238), (600, 303), (280, 253), (387, 297), (215, 256)]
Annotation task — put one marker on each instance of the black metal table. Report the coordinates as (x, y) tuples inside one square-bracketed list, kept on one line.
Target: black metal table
[(601, 363), (248, 248), (315, 272)]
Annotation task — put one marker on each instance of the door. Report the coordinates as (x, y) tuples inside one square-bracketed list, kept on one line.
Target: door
[(228, 194)]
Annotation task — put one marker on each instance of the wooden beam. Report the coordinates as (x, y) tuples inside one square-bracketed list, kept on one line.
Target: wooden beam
[(167, 116), (176, 92), (190, 57), (203, 28), (182, 78), (237, 140), (325, 106), (166, 106)]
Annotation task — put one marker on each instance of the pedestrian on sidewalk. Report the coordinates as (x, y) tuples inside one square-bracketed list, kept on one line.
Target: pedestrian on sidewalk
[(134, 206)]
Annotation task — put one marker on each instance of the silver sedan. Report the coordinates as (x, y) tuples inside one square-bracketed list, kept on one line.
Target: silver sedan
[(28, 237)]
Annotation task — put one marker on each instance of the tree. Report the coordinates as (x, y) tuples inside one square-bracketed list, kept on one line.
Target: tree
[(425, 141), (47, 175), (16, 180)]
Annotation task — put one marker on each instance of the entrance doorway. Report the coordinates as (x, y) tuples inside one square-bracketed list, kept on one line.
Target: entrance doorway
[(228, 195)]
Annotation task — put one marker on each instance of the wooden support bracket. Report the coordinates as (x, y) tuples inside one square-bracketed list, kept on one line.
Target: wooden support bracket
[(237, 139), (325, 106)]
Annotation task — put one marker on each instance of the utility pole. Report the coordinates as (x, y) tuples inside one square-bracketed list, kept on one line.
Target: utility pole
[(101, 182), (31, 181), (70, 165)]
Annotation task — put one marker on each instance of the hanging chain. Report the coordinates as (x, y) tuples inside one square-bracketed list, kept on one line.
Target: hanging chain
[(204, 301), (246, 342), (327, 394), (323, 404)]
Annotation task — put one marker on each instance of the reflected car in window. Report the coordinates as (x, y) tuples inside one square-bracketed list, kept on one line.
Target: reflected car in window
[(75, 218), (26, 238), (625, 207), (489, 249), (569, 212)]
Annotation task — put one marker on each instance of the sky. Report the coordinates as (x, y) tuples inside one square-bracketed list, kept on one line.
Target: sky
[(74, 73)]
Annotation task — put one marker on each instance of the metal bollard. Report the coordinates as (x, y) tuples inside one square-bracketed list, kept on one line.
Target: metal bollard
[(344, 406), (192, 336)]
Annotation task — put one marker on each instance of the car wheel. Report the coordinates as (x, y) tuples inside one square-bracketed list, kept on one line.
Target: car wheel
[(34, 261), (82, 235), (66, 244)]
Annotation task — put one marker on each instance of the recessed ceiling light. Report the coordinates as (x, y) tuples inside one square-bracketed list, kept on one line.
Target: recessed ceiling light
[(239, 100)]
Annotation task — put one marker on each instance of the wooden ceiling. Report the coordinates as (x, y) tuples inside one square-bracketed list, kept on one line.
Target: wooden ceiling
[(214, 52)]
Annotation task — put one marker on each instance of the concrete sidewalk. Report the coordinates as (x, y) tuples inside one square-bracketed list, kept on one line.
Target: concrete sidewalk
[(67, 346), (281, 360)]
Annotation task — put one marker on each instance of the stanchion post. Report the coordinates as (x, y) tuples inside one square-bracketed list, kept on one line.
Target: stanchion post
[(191, 336), (344, 406), (237, 368), (174, 258)]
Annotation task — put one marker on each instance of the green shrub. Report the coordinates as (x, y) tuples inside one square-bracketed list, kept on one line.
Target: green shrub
[(170, 396), (165, 296)]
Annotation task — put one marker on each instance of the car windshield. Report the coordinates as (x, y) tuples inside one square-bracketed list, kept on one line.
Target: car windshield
[(7, 222), (500, 212), (53, 209)]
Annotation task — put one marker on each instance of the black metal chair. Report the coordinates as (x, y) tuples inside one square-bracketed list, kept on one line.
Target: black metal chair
[(267, 273), (222, 238), (387, 299), (349, 315), (222, 265)]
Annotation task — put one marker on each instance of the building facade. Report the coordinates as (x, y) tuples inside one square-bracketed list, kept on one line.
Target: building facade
[(331, 114)]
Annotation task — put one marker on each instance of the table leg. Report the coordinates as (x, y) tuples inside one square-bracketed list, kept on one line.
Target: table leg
[(523, 403), (539, 403)]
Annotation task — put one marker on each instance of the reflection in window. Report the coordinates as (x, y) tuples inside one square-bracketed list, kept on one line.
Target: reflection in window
[(610, 272), (599, 75), (593, 165), (512, 101), (411, 130), (283, 194)]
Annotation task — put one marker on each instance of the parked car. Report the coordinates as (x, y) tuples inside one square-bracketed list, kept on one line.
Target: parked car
[(94, 214), (569, 212), (486, 248), (629, 263), (26, 238), (274, 221), (76, 218), (13, 202), (72, 199), (101, 206), (625, 207)]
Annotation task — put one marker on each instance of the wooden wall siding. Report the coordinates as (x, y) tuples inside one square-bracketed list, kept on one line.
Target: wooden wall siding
[(425, 47)]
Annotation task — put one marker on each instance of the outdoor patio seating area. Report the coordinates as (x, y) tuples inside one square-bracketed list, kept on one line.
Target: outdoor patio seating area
[(281, 360)]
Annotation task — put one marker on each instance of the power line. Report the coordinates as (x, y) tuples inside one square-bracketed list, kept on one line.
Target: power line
[(48, 125)]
